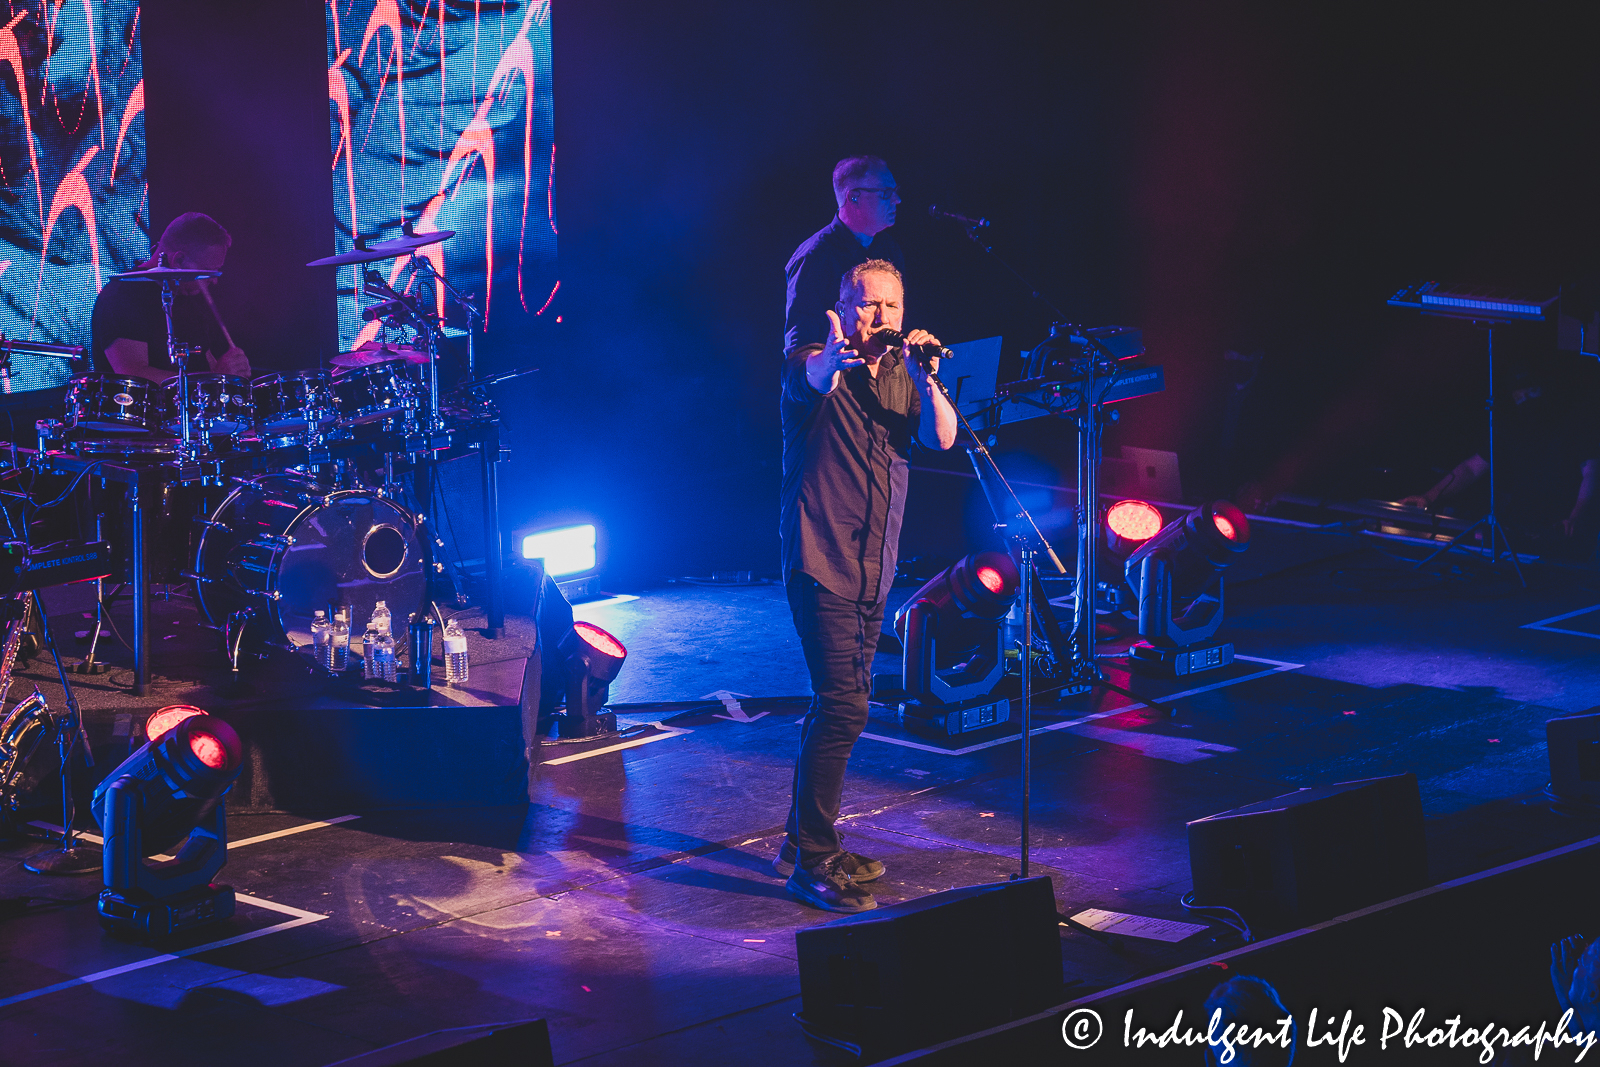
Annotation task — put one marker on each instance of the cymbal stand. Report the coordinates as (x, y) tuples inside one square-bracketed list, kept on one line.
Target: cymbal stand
[(71, 857), (426, 271), (185, 432)]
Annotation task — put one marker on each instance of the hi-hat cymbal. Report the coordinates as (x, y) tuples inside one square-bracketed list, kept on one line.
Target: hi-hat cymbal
[(400, 246), (373, 353), (166, 274)]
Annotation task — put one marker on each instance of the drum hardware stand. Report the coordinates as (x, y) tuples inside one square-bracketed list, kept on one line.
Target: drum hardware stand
[(89, 666), (71, 857), (233, 635), (426, 271), (186, 448)]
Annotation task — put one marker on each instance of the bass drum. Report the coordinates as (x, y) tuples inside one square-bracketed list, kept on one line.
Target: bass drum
[(281, 547)]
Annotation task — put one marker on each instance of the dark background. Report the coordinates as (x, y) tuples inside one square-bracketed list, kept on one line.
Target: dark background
[(1225, 176)]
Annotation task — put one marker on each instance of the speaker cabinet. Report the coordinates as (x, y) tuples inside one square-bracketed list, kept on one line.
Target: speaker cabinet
[(919, 972), (1313, 854), (1574, 744)]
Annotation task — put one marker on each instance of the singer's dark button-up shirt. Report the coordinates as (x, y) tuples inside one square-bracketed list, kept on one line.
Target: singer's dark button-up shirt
[(814, 272), (845, 463)]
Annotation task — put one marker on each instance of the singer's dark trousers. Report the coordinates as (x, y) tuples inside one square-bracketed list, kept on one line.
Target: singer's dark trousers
[(839, 638)]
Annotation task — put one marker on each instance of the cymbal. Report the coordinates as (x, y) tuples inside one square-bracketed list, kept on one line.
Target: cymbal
[(166, 274), (372, 353), (400, 246)]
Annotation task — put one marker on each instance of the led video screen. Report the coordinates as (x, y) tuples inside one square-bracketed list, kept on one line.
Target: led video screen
[(72, 170), (440, 116)]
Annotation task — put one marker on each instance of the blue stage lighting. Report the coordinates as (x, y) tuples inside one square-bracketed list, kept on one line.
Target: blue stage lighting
[(566, 551)]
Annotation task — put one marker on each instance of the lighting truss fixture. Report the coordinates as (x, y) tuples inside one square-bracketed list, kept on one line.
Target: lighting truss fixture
[(1172, 574), (168, 794), (591, 659), (954, 655)]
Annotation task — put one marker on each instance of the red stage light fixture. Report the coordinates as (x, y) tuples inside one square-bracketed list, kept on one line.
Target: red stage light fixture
[(592, 659), (1130, 523), (168, 792), (1176, 565), (601, 642), (167, 718), (953, 655), (992, 579)]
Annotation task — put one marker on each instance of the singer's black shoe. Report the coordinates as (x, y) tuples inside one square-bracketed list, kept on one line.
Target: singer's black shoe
[(828, 885), (859, 867)]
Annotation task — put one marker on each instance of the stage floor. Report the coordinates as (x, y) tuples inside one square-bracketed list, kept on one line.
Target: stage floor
[(634, 906)]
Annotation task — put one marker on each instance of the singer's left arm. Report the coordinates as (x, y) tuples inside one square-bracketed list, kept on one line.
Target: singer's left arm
[(937, 426)]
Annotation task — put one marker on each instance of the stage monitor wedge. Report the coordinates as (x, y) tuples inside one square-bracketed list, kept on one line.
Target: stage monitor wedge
[(1313, 854), (1574, 745), (926, 970)]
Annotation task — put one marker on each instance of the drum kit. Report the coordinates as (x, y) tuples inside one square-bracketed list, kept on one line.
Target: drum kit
[(288, 489)]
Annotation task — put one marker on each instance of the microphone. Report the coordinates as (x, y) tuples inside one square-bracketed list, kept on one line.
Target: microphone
[(376, 286), (384, 310), (923, 352), (939, 213)]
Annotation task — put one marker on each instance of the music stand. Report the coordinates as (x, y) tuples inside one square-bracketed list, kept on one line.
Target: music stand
[(1485, 309), (1490, 520)]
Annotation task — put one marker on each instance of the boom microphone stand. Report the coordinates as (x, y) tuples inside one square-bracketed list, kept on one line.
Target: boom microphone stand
[(1027, 542)]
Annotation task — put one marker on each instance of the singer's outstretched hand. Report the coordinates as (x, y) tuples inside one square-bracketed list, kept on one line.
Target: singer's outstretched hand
[(823, 366)]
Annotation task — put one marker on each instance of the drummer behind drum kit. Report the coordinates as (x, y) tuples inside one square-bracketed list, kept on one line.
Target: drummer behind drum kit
[(318, 530)]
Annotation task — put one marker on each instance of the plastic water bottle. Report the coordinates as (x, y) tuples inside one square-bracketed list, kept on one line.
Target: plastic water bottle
[(321, 635), (339, 644), (455, 654), (369, 645), (387, 668), (380, 619)]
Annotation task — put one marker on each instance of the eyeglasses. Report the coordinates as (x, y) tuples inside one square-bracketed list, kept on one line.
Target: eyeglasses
[(888, 195)]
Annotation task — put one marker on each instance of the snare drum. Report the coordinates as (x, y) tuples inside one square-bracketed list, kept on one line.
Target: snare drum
[(107, 403), (292, 403), (219, 404), (381, 391)]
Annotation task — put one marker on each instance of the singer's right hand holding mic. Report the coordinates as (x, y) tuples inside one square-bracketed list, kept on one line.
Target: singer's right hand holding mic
[(920, 368)]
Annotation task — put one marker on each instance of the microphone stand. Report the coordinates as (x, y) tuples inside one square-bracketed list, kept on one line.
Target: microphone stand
[(71, 857), (1026, 544)]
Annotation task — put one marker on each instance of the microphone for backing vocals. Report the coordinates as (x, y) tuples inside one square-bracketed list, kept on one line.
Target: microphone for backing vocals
[(384, 310), (939, 213), (923, 352)]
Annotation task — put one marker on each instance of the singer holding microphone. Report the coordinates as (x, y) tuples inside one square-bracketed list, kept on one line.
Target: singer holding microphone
[(128, 327), (853, 408)]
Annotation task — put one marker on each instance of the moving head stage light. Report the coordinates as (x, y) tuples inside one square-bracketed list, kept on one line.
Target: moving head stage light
[(1176, 565), (170, 791), (954, 654), (591, 660)]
